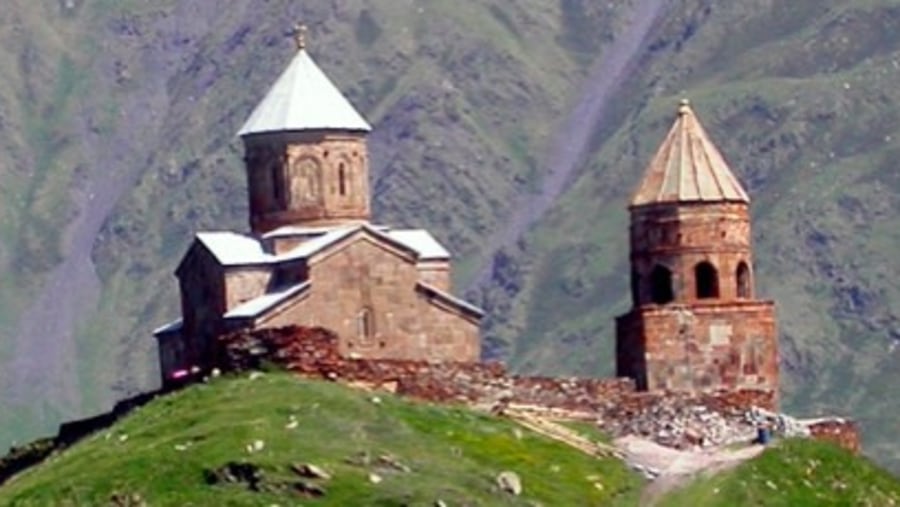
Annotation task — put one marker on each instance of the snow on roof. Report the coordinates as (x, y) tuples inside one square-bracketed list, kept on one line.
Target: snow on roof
[(422, 242), (175, 325), (303, 98), (232, 249), (316, 244), (257, 306), (450, 298)]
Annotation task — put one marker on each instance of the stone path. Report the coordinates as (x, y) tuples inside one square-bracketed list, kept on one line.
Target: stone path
[(666, 468)]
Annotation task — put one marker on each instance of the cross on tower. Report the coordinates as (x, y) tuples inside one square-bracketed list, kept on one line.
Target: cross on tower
[(300, 35)]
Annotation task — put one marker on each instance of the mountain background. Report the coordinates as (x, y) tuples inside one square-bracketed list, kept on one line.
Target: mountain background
[(513, 130)]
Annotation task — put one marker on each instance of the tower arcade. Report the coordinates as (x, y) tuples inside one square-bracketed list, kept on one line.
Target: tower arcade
[(695, 322)]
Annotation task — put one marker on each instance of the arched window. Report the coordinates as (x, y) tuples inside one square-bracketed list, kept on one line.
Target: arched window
[(342, 179), (661, 285), (365, 325), (742, 277), (635, 287), (707, 280)]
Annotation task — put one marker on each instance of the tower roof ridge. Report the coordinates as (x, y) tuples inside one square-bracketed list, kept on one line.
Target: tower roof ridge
[(688, 167), (303, 98)]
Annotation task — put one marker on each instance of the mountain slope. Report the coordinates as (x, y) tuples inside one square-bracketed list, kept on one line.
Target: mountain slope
[(116, 145), (165, 451)]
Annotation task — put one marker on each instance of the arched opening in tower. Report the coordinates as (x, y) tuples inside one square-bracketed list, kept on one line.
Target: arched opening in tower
[(742, 276), (707, 279), (342, 181), (661, 291)]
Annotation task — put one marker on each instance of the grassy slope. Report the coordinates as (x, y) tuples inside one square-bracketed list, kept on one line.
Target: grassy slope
[(453, 454), (794, 473)]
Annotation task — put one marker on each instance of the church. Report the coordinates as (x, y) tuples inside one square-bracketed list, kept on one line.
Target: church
[(312, 256), (696, 322)]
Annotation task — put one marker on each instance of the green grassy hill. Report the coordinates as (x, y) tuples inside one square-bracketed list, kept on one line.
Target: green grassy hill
[(422, 453), (796, 472), (116, 144), (176, 451)]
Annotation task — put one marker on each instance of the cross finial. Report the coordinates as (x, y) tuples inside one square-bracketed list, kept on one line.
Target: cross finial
[(300, 35)]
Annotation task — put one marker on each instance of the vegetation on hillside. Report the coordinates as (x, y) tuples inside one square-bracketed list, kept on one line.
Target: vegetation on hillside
[(273, 438), (793, 473), (377, 450)]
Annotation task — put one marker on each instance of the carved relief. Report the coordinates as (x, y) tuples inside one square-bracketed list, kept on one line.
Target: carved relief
[(305, 179)]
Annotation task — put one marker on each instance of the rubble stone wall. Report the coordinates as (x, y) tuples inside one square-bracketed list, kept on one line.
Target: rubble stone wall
[(842, 432), (314, 352)]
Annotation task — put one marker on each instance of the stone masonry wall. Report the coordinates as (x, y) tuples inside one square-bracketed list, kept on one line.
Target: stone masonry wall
[(365, 292), (613, 402), (710, 346), (303, 178), (314, 352)]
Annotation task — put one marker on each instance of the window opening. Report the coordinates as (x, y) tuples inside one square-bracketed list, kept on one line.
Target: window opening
[(707, 280), (661, 291), (743, 280)]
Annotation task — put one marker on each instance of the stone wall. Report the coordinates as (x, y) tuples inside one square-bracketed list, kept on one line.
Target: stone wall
[(842, 432), (314, 352), (306, 178), (681, 236), (613, 402), (366, 291), (700, 346)]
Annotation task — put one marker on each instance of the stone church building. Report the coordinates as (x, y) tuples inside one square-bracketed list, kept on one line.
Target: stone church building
[(696, 322), (312, 256)]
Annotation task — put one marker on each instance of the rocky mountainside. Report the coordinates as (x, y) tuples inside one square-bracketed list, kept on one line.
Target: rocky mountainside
[(512, 130)]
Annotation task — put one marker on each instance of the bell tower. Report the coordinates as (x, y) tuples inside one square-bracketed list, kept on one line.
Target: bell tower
[(695, 321), (305, 152)]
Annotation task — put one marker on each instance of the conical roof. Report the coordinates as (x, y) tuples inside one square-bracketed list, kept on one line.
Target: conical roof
[(303, 98), (688, 168)]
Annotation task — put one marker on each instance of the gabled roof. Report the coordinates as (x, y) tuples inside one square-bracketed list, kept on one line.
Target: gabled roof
[(259, 305), (303, 98), (232, 249), (422, 242), (688, 168), (449, 299)]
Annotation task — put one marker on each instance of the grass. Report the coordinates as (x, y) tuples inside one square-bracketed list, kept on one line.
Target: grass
[(453, 454), (795, 473)]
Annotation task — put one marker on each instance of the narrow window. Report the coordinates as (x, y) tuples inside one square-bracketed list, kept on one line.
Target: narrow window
[(342, 183), (365, 325), (276, 183), (635, 287), (661, 291), (707, 280), (743, 281)]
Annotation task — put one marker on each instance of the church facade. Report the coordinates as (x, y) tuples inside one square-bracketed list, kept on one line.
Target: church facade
[(312, 256), (696, 322)]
